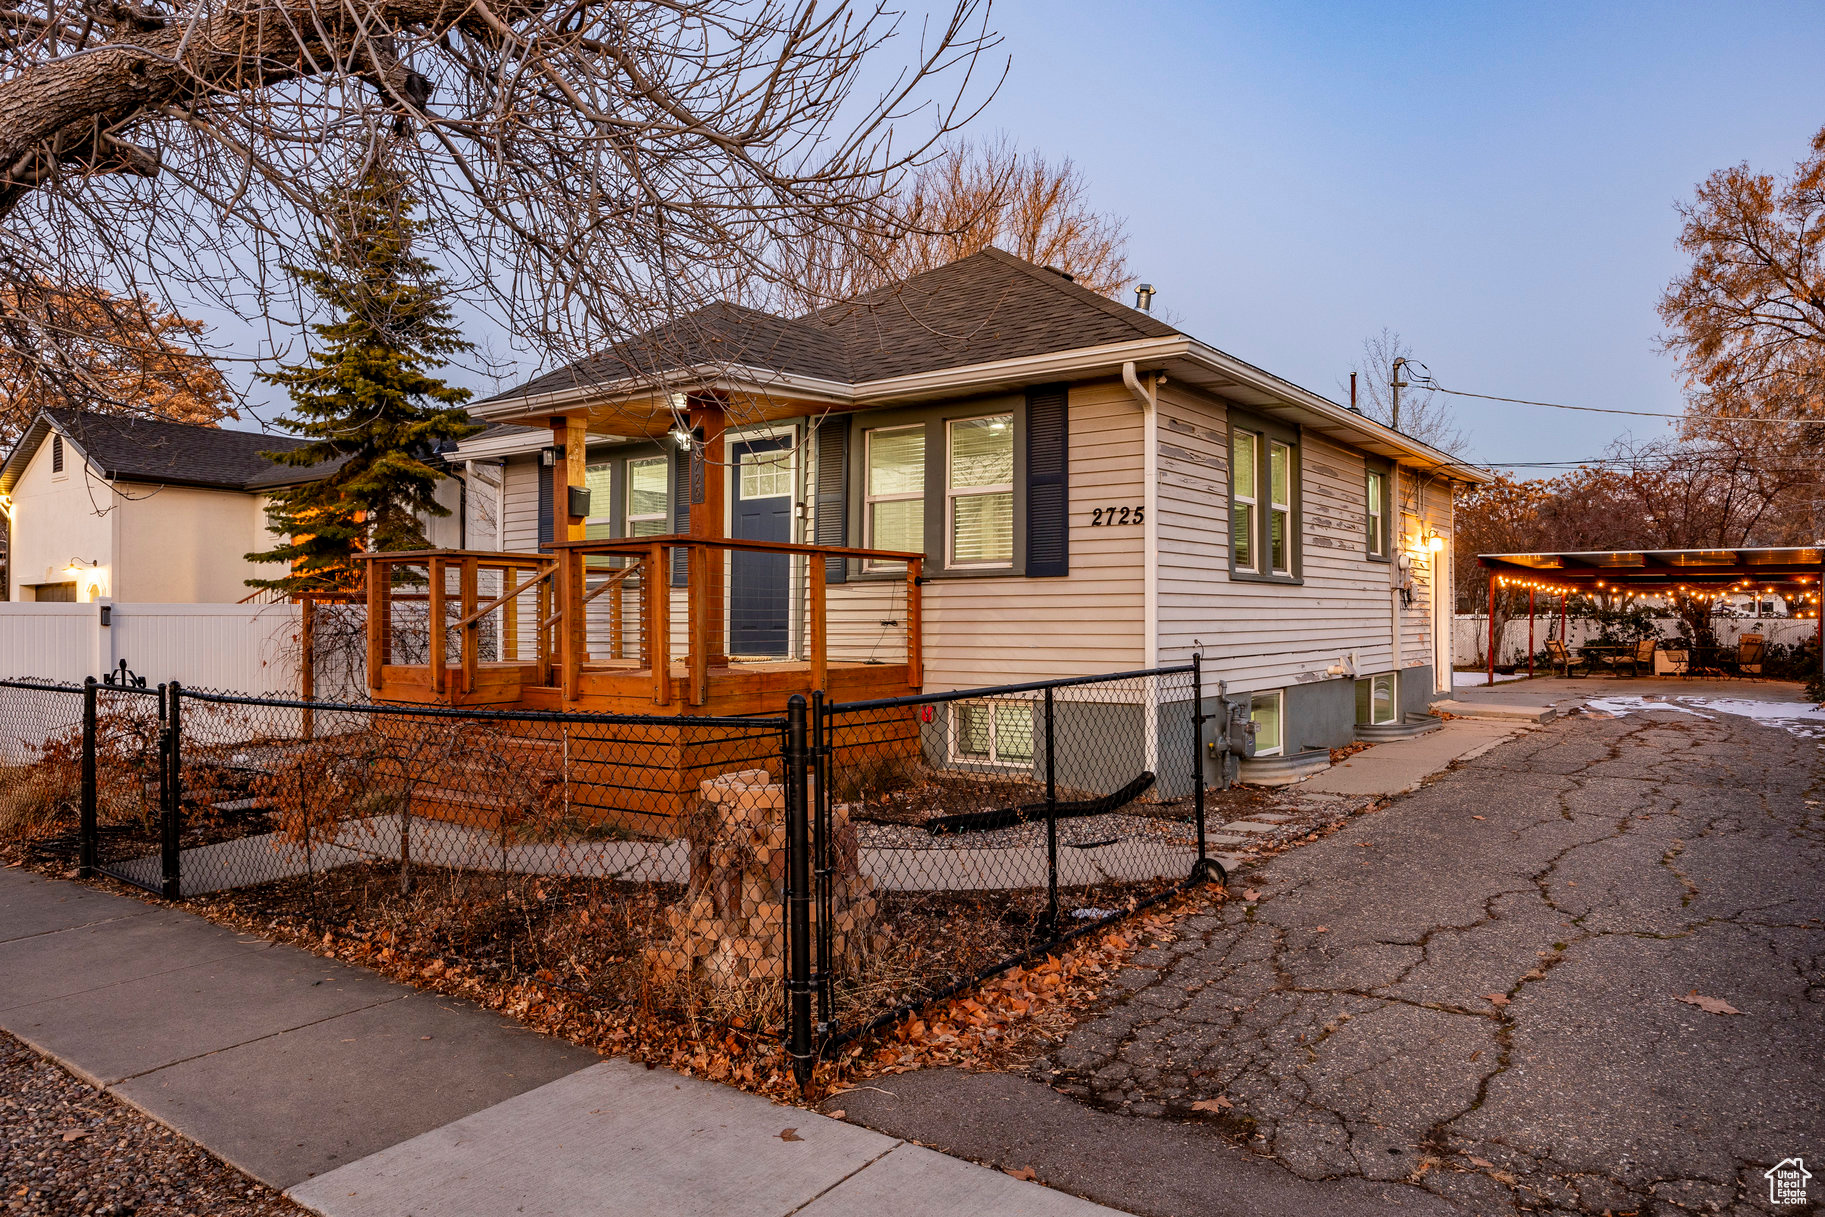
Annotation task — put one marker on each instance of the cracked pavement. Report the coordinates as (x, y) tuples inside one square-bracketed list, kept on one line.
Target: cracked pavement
[(1473, 992)]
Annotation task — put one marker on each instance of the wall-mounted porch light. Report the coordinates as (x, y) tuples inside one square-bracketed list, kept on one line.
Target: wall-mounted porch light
[(1434, 542)]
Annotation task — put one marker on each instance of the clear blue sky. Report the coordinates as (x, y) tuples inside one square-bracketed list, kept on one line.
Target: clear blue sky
[(1497, 185)]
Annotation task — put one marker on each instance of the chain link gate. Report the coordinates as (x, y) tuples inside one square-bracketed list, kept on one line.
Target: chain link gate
[(1043, 774)]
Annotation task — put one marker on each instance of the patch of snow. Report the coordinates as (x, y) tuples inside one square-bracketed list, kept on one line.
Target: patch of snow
[(1465, 680), (1797, 718)]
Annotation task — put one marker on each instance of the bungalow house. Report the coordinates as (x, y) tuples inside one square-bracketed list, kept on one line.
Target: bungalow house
[(140, 510), (1090, 490)]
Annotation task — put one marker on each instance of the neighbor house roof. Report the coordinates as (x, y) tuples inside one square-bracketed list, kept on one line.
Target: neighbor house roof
[(165, 453), (985, 323)]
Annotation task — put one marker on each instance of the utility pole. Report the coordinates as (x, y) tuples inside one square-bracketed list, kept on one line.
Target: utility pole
[(1396, 384)]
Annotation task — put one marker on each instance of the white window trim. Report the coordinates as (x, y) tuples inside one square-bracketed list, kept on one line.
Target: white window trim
[(628, 515), (1378, 518), (1250, 501), (869, 498), (993, 759), (952, 494), (1276, 508), (1278, 697)]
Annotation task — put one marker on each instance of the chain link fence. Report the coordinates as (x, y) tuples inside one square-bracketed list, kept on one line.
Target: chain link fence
[(810, 877)]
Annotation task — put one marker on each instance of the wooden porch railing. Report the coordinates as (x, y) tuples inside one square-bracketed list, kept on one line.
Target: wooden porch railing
[(635, 575)]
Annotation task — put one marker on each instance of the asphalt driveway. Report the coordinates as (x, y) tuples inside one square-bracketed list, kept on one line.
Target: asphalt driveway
[(1469, 1001)]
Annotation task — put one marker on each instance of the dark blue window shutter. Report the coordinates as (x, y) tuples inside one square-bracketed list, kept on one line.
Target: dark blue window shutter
[(832, 527), (547, 525), (681, 513), (1048, 481)]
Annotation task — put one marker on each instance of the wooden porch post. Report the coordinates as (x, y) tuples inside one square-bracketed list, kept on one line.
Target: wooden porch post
[(569, 434), (709, 504), (436, 612), (378, 575), (1491, 680), (915, 623)]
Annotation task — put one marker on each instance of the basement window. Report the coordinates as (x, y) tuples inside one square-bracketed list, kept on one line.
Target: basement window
[(992, 733), (1265, 712), (1375, 701)]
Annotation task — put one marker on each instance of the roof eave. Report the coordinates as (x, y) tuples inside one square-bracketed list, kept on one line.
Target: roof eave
[(1328, 417)]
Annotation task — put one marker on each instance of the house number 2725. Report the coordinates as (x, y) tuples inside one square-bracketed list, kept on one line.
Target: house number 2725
[(1103, 516)]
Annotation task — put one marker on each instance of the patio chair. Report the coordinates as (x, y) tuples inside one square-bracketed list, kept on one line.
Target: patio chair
[(1749, 650), (1643, 655), (1673, 661), (1559, 657)]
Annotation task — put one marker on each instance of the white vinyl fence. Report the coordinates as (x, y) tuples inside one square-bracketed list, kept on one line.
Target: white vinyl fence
[(237, 648), (1471, 634)]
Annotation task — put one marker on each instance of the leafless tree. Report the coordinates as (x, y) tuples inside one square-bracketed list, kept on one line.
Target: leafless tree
[(1425, 415), (970, 197), (589, 169)]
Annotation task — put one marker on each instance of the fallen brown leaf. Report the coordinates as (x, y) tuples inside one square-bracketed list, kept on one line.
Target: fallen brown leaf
[(74, 1134), (1710, 1005), (1476, 817), (790, 1134), (1497, 999), (1251, 894), (838, 1114), (1217, 1104), (1026, 1173), (1485, 1163)]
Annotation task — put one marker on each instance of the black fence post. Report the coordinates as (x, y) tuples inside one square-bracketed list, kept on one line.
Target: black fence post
[(171, 883), (1051, 825), (87, 831), (1205, 865), (798, 891), (821, 853)]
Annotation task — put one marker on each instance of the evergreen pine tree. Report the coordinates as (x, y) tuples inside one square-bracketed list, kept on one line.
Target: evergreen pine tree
[(364, 394)]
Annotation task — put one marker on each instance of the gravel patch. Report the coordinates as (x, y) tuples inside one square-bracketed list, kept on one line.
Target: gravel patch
[(68, 1150)]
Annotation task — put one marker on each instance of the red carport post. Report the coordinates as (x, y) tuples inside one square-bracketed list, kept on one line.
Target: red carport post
[(1530, 633), (1492, 629)]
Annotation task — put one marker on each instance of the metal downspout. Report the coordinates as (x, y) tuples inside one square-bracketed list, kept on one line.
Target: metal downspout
[(1150, 550)]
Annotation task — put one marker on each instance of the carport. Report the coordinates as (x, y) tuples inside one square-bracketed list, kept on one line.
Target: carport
[(1792, 572)]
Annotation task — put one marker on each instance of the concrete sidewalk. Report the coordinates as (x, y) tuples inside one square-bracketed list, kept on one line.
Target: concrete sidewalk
[(1401, 765), (361, 1097)]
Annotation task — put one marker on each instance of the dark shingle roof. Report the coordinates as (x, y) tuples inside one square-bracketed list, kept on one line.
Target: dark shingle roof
[(986, 307), (167, 453)]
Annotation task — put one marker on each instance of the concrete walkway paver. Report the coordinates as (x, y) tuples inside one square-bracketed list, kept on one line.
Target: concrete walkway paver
[(360, 1096)]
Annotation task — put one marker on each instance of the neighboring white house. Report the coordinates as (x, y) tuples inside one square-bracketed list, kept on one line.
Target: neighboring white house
[(1094, 490), (145, 511)]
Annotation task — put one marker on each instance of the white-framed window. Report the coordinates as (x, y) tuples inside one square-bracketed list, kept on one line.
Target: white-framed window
[(894, 490), (1280, 507), (1375, 700), (1265, 711), (647, 491), (979, 491), (1242, 450), (766, 474), (600, 524), (992, 732), (1377, 513)]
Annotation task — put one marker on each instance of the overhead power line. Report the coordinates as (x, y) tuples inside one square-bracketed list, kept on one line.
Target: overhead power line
[(1557, 405)]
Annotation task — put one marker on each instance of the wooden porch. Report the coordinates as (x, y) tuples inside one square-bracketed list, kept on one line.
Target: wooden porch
[(668, 625)]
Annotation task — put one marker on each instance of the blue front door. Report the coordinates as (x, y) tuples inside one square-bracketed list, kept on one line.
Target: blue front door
[(760, 585)]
